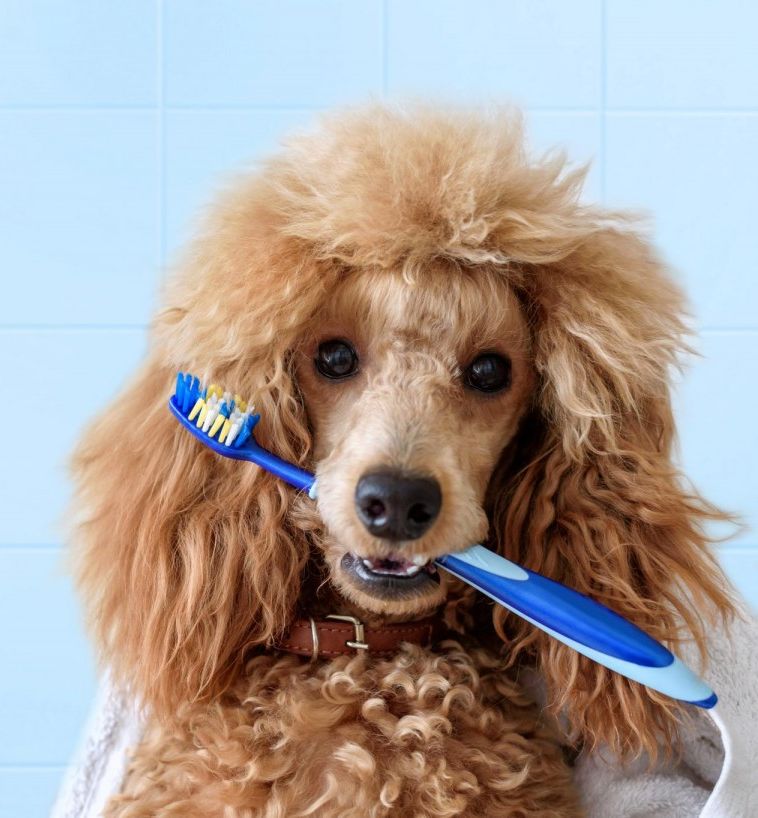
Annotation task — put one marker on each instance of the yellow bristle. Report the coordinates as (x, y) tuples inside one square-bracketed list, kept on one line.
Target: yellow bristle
[(203, 413), (216, 425), (196, 408), (225, 430)]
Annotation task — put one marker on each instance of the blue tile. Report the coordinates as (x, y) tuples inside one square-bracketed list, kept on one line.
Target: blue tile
[(83, 53), (741, 566), (715, 408), (49, 368), (682, 54), (28, 792), (534, 52), (272, 52), (79, 216), (698, 175), (578, 134), (205, 148), (45, 699)]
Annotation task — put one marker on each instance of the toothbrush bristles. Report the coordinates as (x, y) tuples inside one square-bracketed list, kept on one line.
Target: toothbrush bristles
[(214, 411)]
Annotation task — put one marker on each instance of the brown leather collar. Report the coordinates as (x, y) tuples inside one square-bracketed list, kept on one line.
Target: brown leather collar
[(345, 636)]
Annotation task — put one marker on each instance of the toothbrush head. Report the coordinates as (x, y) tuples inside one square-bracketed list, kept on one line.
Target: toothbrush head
[(225, 423), (222, 421)]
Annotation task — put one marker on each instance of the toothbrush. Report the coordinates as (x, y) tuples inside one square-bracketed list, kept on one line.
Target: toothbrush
[(225, 424)]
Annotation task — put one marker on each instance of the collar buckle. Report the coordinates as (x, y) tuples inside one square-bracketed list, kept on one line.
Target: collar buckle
[(359, 642)]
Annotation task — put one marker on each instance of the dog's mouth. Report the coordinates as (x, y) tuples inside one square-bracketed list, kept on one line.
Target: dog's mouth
[(391, 575)]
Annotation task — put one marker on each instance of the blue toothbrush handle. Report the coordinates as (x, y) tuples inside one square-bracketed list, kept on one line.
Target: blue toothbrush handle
[(579, 622)]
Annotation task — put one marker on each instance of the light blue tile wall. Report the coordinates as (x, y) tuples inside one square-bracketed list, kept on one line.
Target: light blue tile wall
[(85, 53), (543, 53), (82, 224), (271, 52), (118, 120)]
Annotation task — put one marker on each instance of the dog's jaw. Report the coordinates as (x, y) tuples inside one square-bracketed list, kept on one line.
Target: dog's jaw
[(393, 595), (384, 577)]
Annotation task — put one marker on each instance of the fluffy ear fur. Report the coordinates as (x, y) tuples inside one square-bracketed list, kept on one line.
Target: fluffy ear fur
[(591, 497), (184, 558)]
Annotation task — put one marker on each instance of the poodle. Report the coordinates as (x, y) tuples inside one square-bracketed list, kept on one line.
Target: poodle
[(431, 321)]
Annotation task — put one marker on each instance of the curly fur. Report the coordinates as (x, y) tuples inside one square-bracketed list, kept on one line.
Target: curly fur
[(189, 564), (420, 734)]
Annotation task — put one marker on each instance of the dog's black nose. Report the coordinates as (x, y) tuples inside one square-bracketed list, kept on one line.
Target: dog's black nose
[(397, 506)]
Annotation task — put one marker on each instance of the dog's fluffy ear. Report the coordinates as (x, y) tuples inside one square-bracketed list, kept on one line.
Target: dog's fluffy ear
[(591, 497), (185, 558)]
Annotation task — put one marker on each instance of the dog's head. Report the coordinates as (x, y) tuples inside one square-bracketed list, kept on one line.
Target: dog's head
[(461, 351), (412, 389)]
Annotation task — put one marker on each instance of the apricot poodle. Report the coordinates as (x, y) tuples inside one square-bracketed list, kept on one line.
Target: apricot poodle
[(462, 351)]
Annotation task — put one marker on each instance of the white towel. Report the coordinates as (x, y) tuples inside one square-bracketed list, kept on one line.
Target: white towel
[(715, 778), (98, 770)]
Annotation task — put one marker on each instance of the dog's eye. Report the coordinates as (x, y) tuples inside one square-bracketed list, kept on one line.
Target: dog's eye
[(488, 373), (336, 359)]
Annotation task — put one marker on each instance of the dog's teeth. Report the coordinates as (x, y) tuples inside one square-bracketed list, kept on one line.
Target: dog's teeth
[(420, 560), (409, 570)]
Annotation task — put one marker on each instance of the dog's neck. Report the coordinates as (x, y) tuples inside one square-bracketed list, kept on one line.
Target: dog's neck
[(327, 625), (326, 601)]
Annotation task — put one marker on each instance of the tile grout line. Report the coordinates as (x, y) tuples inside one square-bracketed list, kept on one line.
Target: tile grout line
[(603, 101), (673, 112), (263, 107), (161, 97), (36, 547), (76, 107), (726, 331), (73, 327), (32, 765), (385, 46)]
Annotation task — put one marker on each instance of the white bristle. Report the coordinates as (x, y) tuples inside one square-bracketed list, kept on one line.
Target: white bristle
[(232, 433), (236, 420), (213, 407)]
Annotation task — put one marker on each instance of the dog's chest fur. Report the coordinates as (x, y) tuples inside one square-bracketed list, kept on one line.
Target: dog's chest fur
[(444, 733)]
